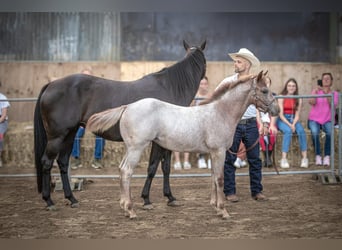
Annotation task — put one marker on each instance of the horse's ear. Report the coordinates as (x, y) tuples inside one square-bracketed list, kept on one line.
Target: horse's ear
[(203, 44), (260, 75), (186, 45), (266, 73)]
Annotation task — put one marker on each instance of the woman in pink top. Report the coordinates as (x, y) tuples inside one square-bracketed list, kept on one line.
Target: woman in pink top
[(320, 118)]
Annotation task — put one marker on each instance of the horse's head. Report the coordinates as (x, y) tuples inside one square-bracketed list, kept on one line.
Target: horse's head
[(263, 98), (190, 49)]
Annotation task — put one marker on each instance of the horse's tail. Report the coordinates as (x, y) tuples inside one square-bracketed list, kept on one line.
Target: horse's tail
[(40, 141), (102, 121)]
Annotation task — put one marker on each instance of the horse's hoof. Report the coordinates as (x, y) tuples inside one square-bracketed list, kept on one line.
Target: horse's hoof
[(75, 205), (174, 203), (51, 208), (132, 216), (147, 206)]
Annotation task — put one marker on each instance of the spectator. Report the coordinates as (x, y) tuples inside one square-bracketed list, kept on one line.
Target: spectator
[(320, 118), (186, 163), (241, 157), (99, 143), (4, 105), (288, 122), (268, 132), (247, 132)]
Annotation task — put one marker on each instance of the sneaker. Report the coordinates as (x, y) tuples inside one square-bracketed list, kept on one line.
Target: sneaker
[(318, 160), (304, 163), (186, 165), (243, 163), (76, 163), (237, 162), (326, 160), (201, 163), (96, 164), (209, 163), (177, 166), (284, 163)]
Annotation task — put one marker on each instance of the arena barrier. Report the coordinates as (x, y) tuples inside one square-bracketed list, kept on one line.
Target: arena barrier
[(324, 174)]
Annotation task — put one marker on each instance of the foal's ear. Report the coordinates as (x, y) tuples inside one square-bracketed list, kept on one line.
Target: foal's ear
[(203, 44), (186, 45), (266, 73), (260, 75)]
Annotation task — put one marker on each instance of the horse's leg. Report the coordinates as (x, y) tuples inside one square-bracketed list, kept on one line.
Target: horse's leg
[(213, 197), (217, 171), (126, 171), (166, 166), (46, 182), (157, 154), (63, 163)]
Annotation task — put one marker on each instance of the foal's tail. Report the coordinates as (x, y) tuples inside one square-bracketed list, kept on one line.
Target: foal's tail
[(40, 140), (104, 120)]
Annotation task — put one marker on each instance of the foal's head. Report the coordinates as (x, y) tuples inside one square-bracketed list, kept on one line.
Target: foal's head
[(263, 98)]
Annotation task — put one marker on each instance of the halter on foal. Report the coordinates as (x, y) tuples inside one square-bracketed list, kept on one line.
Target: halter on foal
[(207, 128)]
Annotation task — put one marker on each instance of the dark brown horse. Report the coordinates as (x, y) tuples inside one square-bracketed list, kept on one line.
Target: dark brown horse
[(65, 104)]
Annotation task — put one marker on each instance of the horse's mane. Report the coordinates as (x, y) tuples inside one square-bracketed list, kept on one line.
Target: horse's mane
[(220, 92), (178, 74)]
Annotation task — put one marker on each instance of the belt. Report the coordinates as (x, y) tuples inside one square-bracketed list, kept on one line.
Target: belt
[(246, 121)]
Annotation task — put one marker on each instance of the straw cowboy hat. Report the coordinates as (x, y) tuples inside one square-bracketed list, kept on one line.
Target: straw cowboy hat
[(245, 53)]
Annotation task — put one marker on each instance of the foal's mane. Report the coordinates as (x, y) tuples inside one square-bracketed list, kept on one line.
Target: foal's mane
[(178, 75), (221, 91)]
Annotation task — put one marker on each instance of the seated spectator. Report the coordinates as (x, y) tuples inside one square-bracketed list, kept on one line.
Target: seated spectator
[(320, 118), (288, 123)]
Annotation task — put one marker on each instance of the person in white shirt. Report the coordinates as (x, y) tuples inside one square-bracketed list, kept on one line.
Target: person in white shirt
[(247, 132)]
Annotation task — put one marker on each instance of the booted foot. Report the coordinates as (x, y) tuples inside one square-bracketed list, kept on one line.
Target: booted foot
[(260, 197), (232, 198)]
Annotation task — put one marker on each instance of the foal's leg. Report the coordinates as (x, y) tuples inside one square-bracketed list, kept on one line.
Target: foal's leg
[(126, 171), (217, 172)]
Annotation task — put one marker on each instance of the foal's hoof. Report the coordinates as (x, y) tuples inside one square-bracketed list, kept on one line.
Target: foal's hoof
[(174, 203), (147, 206), (75, 205), (51, 208)]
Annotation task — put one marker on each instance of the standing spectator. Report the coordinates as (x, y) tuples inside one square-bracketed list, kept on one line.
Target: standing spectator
[(247, 132), (4, 105), (202, 94), (268, 132), (99, 143), (320, 117), (288, 122)]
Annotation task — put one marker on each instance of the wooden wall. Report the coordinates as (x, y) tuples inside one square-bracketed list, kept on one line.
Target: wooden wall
[(25, 79)]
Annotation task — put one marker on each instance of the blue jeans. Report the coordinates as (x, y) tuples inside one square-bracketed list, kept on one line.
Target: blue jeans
[(248, 134), (287, 132), (315, 128), (99, 145)]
